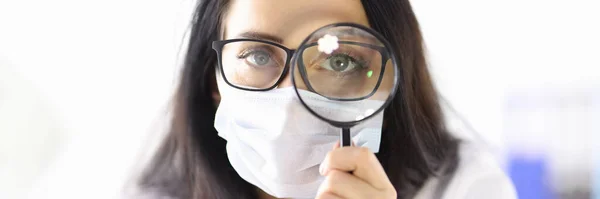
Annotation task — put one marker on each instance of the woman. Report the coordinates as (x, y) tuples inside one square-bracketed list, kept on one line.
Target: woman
[(416, 157)]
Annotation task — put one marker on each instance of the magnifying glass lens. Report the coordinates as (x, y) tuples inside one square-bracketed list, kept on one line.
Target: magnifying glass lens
[(345, 67)]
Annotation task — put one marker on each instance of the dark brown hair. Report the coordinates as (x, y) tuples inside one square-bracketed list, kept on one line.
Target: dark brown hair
[(192, 160)]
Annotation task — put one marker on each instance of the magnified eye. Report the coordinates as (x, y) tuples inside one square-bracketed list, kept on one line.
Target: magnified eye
[(341, 63)]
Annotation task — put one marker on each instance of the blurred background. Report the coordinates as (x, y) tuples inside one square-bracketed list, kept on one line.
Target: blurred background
[(84, 88)]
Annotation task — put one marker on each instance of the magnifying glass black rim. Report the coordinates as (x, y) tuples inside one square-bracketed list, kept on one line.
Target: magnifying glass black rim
[(389, 51)]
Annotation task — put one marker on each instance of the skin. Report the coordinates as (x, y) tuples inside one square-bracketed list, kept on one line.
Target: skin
[(351, 172)]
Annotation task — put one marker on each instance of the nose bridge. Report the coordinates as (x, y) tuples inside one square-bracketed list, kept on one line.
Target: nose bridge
[(285, 82)]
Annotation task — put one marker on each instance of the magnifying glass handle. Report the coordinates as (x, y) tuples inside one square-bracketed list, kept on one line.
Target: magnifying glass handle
[(345, 137)]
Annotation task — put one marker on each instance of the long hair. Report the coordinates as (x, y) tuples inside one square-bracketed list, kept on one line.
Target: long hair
[(192, 160)]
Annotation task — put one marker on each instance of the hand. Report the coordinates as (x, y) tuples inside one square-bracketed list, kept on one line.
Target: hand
[(354, 173)]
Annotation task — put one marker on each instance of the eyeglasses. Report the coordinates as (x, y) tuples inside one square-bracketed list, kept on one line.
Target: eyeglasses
[(251, 64), (257, 65)]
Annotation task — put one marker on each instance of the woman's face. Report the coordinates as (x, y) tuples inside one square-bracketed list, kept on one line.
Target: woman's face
[(285, 22)]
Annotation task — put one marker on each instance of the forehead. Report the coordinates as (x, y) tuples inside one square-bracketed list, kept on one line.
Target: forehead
[(290, 20)]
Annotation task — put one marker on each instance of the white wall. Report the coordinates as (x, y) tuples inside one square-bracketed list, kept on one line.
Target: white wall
[(30, 133), (104, 68), (544, 55), (482, 49)]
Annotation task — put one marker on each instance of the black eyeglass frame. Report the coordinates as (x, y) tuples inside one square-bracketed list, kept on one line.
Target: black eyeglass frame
[(218, 47)]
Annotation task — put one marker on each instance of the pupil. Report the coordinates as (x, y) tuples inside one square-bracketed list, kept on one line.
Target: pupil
[(339, 63)]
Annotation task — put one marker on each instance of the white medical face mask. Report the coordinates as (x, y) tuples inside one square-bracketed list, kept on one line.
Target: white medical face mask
[(274, 143)]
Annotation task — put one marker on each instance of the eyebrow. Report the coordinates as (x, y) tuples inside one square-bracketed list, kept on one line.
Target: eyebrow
[(261, 36)]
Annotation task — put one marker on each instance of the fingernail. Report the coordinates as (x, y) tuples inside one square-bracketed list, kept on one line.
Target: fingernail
[(322, 168)]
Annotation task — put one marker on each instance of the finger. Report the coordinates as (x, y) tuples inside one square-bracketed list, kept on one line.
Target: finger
[(345, 185), (358, 160)]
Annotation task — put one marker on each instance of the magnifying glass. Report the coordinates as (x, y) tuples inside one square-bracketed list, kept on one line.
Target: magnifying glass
[(344, 74)]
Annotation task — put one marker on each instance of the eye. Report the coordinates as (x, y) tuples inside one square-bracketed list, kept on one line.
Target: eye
[(257, 58), (340, 63)]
